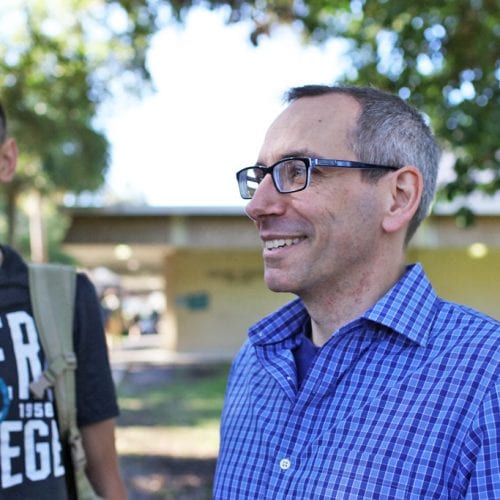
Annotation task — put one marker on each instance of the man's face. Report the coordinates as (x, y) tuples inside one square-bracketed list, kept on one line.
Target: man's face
[(326, 235)]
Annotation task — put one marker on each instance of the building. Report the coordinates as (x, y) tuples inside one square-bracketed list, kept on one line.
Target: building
[(207, 262)]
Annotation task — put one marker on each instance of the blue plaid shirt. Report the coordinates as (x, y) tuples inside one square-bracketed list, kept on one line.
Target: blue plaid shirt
[(400, 403)]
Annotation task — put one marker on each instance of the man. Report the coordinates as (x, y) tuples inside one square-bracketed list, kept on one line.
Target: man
[(367, 385), (31, 455)]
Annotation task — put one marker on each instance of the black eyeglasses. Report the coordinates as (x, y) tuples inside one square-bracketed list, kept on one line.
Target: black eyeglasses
[(291, 174)]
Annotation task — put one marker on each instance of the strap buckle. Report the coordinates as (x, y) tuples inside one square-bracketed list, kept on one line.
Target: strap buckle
[(66, 361)]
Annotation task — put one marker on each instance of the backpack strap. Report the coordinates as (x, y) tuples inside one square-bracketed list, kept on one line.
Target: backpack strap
[(52, 291)]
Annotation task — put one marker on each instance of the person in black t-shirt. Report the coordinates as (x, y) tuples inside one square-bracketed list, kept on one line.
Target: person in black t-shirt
[(32, 463)]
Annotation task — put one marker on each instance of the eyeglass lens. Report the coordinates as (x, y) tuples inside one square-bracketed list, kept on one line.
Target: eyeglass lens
[(249, 180), (289, 175)]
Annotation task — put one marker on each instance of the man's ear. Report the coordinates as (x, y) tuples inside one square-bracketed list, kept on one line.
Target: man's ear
[(8, 160), (403, 198)]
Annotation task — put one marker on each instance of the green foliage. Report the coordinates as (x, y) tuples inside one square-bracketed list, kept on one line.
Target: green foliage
[(61, 59), (443, 56), (53, 76)]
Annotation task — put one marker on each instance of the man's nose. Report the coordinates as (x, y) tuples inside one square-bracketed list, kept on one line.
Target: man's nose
[(266, 200)]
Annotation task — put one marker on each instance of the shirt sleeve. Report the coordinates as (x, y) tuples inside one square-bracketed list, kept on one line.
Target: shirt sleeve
[(95, 390), (483, 449)]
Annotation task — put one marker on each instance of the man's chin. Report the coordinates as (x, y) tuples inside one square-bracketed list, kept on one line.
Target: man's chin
[(279, 284)]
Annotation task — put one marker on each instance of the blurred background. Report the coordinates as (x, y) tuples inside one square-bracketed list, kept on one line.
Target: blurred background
[(132, 117)]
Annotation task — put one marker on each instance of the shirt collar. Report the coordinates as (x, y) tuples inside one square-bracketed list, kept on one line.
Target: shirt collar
[(408, 308), (283, 324)]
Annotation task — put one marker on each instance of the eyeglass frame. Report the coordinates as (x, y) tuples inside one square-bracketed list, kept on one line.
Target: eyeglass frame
[(310, 163)]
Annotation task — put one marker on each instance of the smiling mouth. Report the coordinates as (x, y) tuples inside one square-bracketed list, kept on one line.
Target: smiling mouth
[(280, 243)]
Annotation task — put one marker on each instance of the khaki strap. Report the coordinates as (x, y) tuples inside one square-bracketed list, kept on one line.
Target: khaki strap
[(52, 292)]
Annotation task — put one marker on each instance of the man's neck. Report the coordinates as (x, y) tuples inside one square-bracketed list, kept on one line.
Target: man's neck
[(331, 309)]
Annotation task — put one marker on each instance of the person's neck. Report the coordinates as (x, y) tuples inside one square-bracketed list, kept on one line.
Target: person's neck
[(332, 308)]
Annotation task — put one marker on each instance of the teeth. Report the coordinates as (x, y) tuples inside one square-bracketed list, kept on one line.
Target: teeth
[(272, 244)]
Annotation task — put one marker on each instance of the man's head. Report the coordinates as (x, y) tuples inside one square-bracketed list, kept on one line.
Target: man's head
[(345, 221), (8, 150)]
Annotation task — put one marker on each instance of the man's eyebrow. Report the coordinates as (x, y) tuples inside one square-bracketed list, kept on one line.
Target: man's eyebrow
[(290, 154)]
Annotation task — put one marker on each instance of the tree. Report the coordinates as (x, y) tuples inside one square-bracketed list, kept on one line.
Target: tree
[(60, 60), (58, 63), (443, 56)]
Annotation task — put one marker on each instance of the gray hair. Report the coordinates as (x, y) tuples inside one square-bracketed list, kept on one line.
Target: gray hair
[(388, 132)]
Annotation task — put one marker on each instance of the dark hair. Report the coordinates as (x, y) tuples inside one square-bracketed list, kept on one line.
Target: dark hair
[(3, 124), (388, 132)]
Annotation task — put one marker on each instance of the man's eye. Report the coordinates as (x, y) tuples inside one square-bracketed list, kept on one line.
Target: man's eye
[(299, 171), (295, 169), (256, 175)]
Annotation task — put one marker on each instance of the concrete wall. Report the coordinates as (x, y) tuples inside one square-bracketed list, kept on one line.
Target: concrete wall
[(458, 277), (237, 297), (232, 282), (206, 255)]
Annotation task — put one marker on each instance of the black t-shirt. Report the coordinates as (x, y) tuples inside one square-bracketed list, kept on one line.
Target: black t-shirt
[(31, 463)]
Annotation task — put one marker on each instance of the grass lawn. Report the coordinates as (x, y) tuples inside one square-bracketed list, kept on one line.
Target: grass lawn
[(168, 431)]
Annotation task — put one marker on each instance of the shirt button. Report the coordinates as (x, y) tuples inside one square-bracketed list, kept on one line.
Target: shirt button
[(285, 464)]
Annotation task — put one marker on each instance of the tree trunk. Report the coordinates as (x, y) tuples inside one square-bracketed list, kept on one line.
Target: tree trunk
[(11, 212), (38, 240)]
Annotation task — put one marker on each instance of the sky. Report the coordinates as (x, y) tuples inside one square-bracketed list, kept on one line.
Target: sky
[(215, 96)]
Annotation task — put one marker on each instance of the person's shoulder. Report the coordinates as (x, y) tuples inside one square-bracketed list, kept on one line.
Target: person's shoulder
[(12, 259), (84, 284), (463, 314), (468, 325), (86, 294), (14, 269)]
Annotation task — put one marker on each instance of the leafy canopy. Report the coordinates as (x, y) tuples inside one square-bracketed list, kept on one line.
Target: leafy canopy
[(443, 56), (61, 59)]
